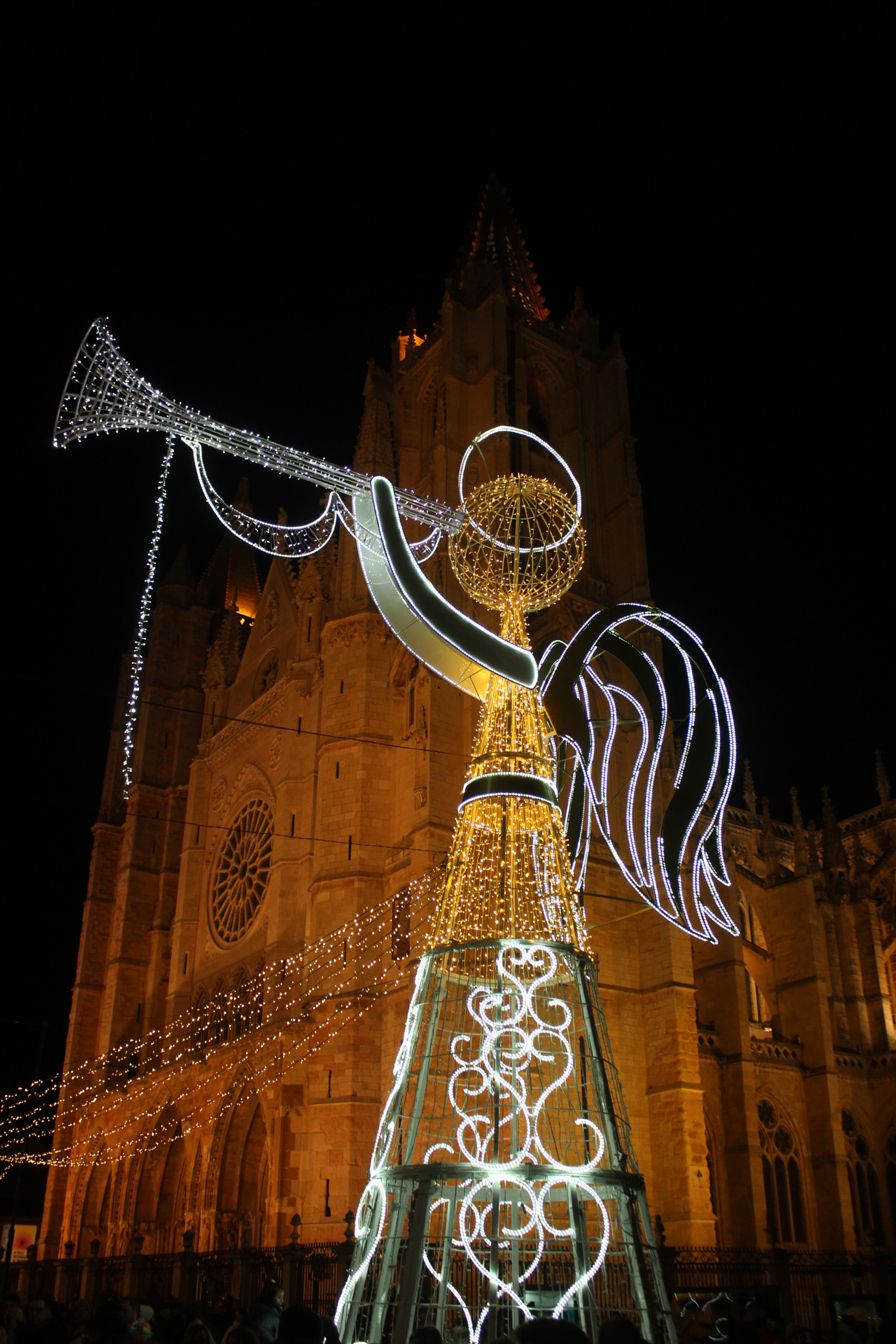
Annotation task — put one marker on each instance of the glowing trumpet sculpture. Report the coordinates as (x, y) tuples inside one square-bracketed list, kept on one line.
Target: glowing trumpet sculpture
[(502, 1183)]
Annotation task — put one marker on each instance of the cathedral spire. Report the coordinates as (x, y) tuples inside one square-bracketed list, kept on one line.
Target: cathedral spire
[(860, 867), (497, 243), (768, 845), (813, 848), (580, 323), (749, 788)]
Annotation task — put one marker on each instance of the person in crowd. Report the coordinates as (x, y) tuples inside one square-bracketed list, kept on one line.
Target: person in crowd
[(264, 1316), (140, 1328), (223, 1313), (425, 1334), (618, 1329), (12, 1316), (849, 1330), (76, 1321), (300, 1325), (694, 1327), (546, 1330), (718, 1312), (109, 1323), (40, 1325), (197, 1332), (240, 1333)]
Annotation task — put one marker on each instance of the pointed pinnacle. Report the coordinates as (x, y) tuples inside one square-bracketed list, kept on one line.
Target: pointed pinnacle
[(749, 788), (800, 846), (795, 812), (833, 853)]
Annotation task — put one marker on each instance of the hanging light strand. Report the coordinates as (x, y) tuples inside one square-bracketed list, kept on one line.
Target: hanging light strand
[(144, 617)]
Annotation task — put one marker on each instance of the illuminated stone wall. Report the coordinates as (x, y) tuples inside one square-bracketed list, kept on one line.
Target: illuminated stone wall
[(315, 711)]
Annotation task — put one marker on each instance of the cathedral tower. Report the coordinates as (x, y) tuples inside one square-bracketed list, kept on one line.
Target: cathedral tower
[(257, 911)]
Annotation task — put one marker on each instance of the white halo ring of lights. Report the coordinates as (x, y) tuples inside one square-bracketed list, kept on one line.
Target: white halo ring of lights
[(474, 446)]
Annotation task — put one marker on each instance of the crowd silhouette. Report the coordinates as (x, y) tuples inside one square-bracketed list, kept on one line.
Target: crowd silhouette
[(721, 1319)]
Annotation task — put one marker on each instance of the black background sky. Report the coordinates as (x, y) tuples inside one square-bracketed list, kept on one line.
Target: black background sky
[(251, 252)]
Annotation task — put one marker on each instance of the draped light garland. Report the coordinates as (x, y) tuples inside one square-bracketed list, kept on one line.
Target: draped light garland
[(266, 1000), (246, 1036)]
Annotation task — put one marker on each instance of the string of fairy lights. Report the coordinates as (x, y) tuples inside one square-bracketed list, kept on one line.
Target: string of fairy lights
[(133, 1097), (144, 617), (276, 1028), (344, 974)]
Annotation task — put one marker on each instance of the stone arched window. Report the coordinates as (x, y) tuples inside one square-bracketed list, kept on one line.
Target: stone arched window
[(863, 1187), (758, 1010), (891, 1177), (785, 1217)]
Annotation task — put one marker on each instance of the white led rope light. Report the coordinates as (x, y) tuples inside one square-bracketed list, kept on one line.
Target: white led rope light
[(552, 452), (369, 538), (297, 540), (690, 901), (362, 1230), (514, 1039)]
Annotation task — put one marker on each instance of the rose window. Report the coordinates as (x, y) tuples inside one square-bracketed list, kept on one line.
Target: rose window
[(241, 876)]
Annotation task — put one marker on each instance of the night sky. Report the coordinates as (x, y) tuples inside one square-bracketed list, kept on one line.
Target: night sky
[(740, 281)]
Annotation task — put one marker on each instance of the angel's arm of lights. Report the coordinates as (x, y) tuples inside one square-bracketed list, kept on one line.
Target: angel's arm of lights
[(446, 640)]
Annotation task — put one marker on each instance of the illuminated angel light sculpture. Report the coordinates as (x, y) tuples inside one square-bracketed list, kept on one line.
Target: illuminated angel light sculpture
[(502, 1182)]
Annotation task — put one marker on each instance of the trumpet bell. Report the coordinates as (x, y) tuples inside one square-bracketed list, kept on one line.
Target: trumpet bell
[(103, 393)]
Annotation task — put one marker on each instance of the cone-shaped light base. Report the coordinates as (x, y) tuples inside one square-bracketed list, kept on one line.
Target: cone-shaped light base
[(502, 1184)]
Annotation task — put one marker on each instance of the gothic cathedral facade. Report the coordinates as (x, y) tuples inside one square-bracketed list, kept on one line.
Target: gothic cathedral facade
[(253, 914)]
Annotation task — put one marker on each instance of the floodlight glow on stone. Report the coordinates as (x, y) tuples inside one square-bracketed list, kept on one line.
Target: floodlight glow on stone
[(508, 943)]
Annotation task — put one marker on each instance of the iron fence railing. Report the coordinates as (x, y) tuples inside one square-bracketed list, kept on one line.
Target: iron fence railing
[(804, 1287)]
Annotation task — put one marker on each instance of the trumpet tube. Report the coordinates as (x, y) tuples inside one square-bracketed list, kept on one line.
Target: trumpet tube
[(104, 393)]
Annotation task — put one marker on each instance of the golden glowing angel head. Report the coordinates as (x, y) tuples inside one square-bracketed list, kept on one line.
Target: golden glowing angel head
[(522, 540)]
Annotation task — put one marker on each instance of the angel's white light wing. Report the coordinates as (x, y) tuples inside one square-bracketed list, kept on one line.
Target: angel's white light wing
[(613, 708)]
